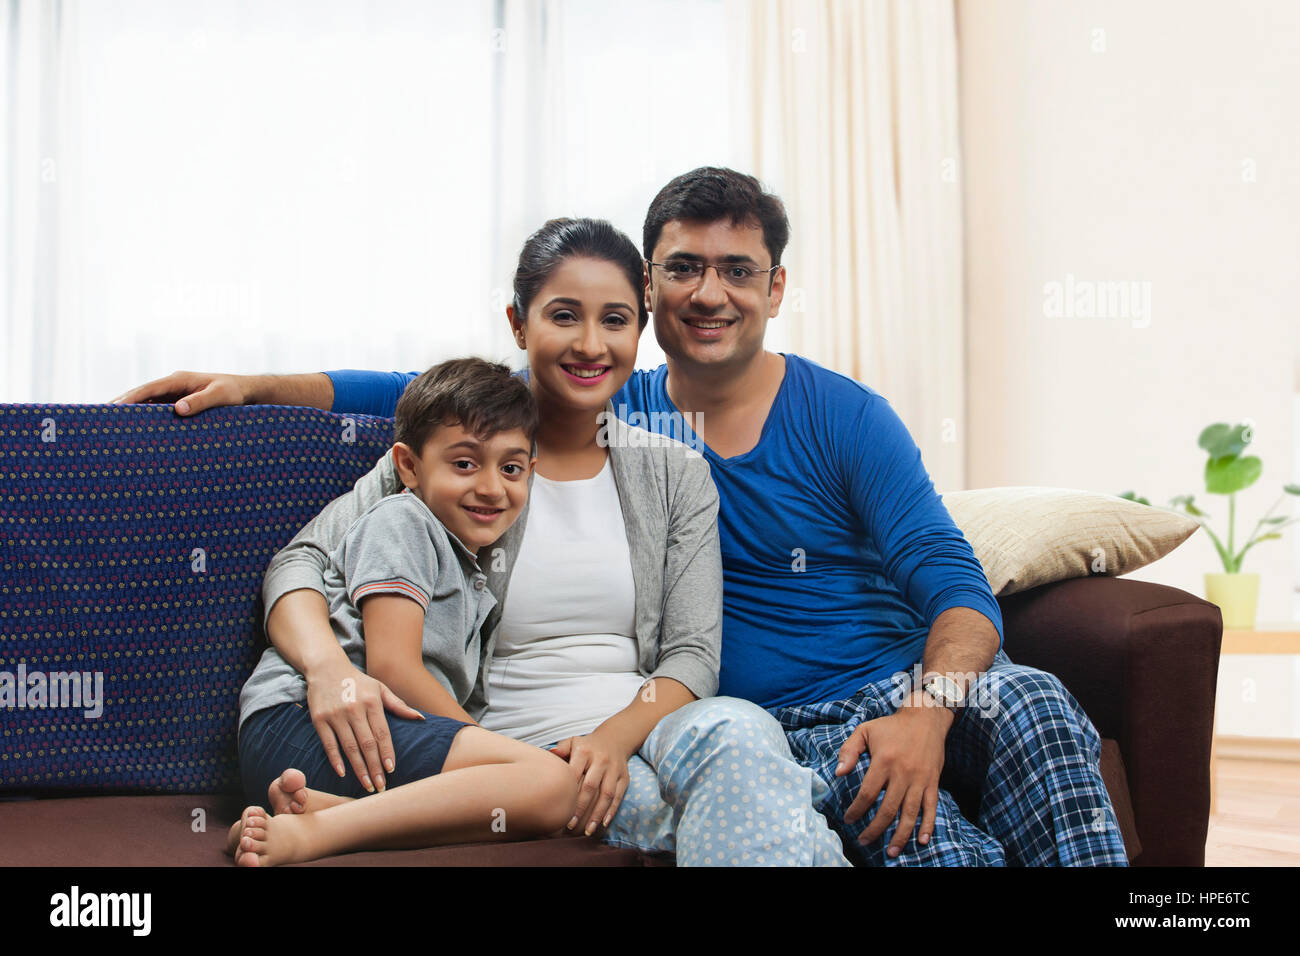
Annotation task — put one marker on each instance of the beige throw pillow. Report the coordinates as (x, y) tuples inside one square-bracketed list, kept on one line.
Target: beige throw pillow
[(1025, 537)]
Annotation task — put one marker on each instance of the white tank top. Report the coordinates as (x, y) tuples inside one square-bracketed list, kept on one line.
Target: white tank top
[(566, 654)]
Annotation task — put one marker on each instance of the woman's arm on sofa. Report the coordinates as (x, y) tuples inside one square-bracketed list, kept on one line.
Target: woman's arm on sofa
[(350, 724)]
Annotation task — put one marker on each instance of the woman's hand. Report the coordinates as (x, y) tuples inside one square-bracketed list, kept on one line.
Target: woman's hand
[(347, 710), (599, 761)]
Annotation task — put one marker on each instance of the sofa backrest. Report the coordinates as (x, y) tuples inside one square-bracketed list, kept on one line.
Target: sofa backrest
[(132, 548)]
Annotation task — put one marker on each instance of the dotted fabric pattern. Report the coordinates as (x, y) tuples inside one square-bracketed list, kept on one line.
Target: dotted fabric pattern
[(132, 545)]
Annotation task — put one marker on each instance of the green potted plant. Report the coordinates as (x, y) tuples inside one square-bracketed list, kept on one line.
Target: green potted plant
[(1227, 472)]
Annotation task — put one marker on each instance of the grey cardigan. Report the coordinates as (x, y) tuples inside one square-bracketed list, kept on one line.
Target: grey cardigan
[(670, 512)]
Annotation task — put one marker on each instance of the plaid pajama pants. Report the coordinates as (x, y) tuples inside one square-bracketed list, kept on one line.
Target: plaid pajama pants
[(1023, 743)]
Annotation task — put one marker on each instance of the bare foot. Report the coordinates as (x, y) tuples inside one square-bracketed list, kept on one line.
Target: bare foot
[(275, 840), (247, 820), (288, 793)]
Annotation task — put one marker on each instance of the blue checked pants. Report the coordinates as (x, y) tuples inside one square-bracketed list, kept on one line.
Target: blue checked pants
[(1023, 743), (716, 784)]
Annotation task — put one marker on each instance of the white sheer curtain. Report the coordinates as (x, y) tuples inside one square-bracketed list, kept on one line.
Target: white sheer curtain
[(320, 183), (855, 107), (40, 190)]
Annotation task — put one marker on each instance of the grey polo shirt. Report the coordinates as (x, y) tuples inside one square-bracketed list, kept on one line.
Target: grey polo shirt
[(396, 547)]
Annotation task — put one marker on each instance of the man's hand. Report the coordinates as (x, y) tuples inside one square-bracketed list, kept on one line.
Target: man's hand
[(600, 764), (355, 721), (192, 392), (907, 756)]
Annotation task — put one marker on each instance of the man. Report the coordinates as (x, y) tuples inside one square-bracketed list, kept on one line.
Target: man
[(845, 577)]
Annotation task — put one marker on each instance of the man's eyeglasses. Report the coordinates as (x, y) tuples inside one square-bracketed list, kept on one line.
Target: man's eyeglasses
[(738, 275)]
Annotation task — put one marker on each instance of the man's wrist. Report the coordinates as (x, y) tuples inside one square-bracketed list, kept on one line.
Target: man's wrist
[(921, 701), (253, 389)]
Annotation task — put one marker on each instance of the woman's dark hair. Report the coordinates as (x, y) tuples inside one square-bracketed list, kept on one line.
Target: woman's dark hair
[(482, 397), (711, 193), (561, 239)]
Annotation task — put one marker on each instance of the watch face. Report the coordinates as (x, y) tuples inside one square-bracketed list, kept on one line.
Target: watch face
[(946, 690)]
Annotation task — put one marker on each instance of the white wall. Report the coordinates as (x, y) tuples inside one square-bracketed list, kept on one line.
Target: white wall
[(1134, 163)]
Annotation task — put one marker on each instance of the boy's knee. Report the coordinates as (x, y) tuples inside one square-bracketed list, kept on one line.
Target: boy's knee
[(556, 791)]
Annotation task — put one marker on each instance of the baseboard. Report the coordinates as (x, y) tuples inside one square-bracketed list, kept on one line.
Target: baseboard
[(1258, 748)]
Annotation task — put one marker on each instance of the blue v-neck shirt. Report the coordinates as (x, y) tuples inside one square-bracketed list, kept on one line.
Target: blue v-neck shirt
[(837, 553)]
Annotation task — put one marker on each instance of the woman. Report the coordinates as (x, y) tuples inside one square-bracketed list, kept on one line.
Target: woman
[(612, 618)]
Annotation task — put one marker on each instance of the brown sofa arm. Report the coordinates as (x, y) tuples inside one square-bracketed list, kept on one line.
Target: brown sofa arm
[(1143, 661)]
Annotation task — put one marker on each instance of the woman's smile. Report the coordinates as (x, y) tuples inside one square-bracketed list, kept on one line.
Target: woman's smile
[(584, 373)]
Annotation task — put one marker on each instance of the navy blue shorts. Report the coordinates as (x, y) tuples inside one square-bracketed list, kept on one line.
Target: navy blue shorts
[(282, 736)]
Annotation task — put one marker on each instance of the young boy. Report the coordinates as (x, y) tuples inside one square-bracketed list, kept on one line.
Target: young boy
[(407, 601)]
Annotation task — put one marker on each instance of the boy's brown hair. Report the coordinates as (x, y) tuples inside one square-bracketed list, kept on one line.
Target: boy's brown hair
[(482, 397)]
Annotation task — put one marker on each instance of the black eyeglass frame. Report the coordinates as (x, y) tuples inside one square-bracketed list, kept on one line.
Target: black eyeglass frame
[(717, 267)]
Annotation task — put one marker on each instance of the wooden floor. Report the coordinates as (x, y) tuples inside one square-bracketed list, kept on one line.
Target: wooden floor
[(1257, 822)]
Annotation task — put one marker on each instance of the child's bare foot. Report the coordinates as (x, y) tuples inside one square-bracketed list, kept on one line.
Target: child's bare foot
[(275, 840), (247, 820), (288, 793)]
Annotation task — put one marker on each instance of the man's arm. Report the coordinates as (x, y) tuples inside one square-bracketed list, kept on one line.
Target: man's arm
[(193, 392), (923, 551), (961, 646), (346, 390), (935, 569)]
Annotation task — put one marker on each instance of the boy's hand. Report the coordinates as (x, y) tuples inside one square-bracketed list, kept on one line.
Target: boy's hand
[(600, 764)]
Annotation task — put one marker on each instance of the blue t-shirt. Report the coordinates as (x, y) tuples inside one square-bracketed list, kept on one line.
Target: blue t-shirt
[(837, 553)]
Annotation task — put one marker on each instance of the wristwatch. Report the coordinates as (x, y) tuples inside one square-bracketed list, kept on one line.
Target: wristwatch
[(944, 691)]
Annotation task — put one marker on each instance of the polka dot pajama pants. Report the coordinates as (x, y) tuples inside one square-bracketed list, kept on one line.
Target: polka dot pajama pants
[(716, 784)]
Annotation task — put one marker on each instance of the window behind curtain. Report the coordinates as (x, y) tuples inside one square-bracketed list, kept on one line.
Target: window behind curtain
[(315, 184), (285, 186)]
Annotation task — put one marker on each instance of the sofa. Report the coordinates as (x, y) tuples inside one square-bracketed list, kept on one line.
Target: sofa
[(132, 546)]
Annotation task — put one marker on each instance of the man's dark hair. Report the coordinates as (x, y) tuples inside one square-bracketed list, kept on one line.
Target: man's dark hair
[(711, 193), (561, 239), (482, 397)]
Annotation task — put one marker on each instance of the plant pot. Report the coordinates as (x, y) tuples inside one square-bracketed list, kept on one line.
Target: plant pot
[(1236, 595)]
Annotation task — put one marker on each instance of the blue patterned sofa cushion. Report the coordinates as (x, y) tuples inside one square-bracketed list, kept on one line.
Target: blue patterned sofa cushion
[(132, 548)]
